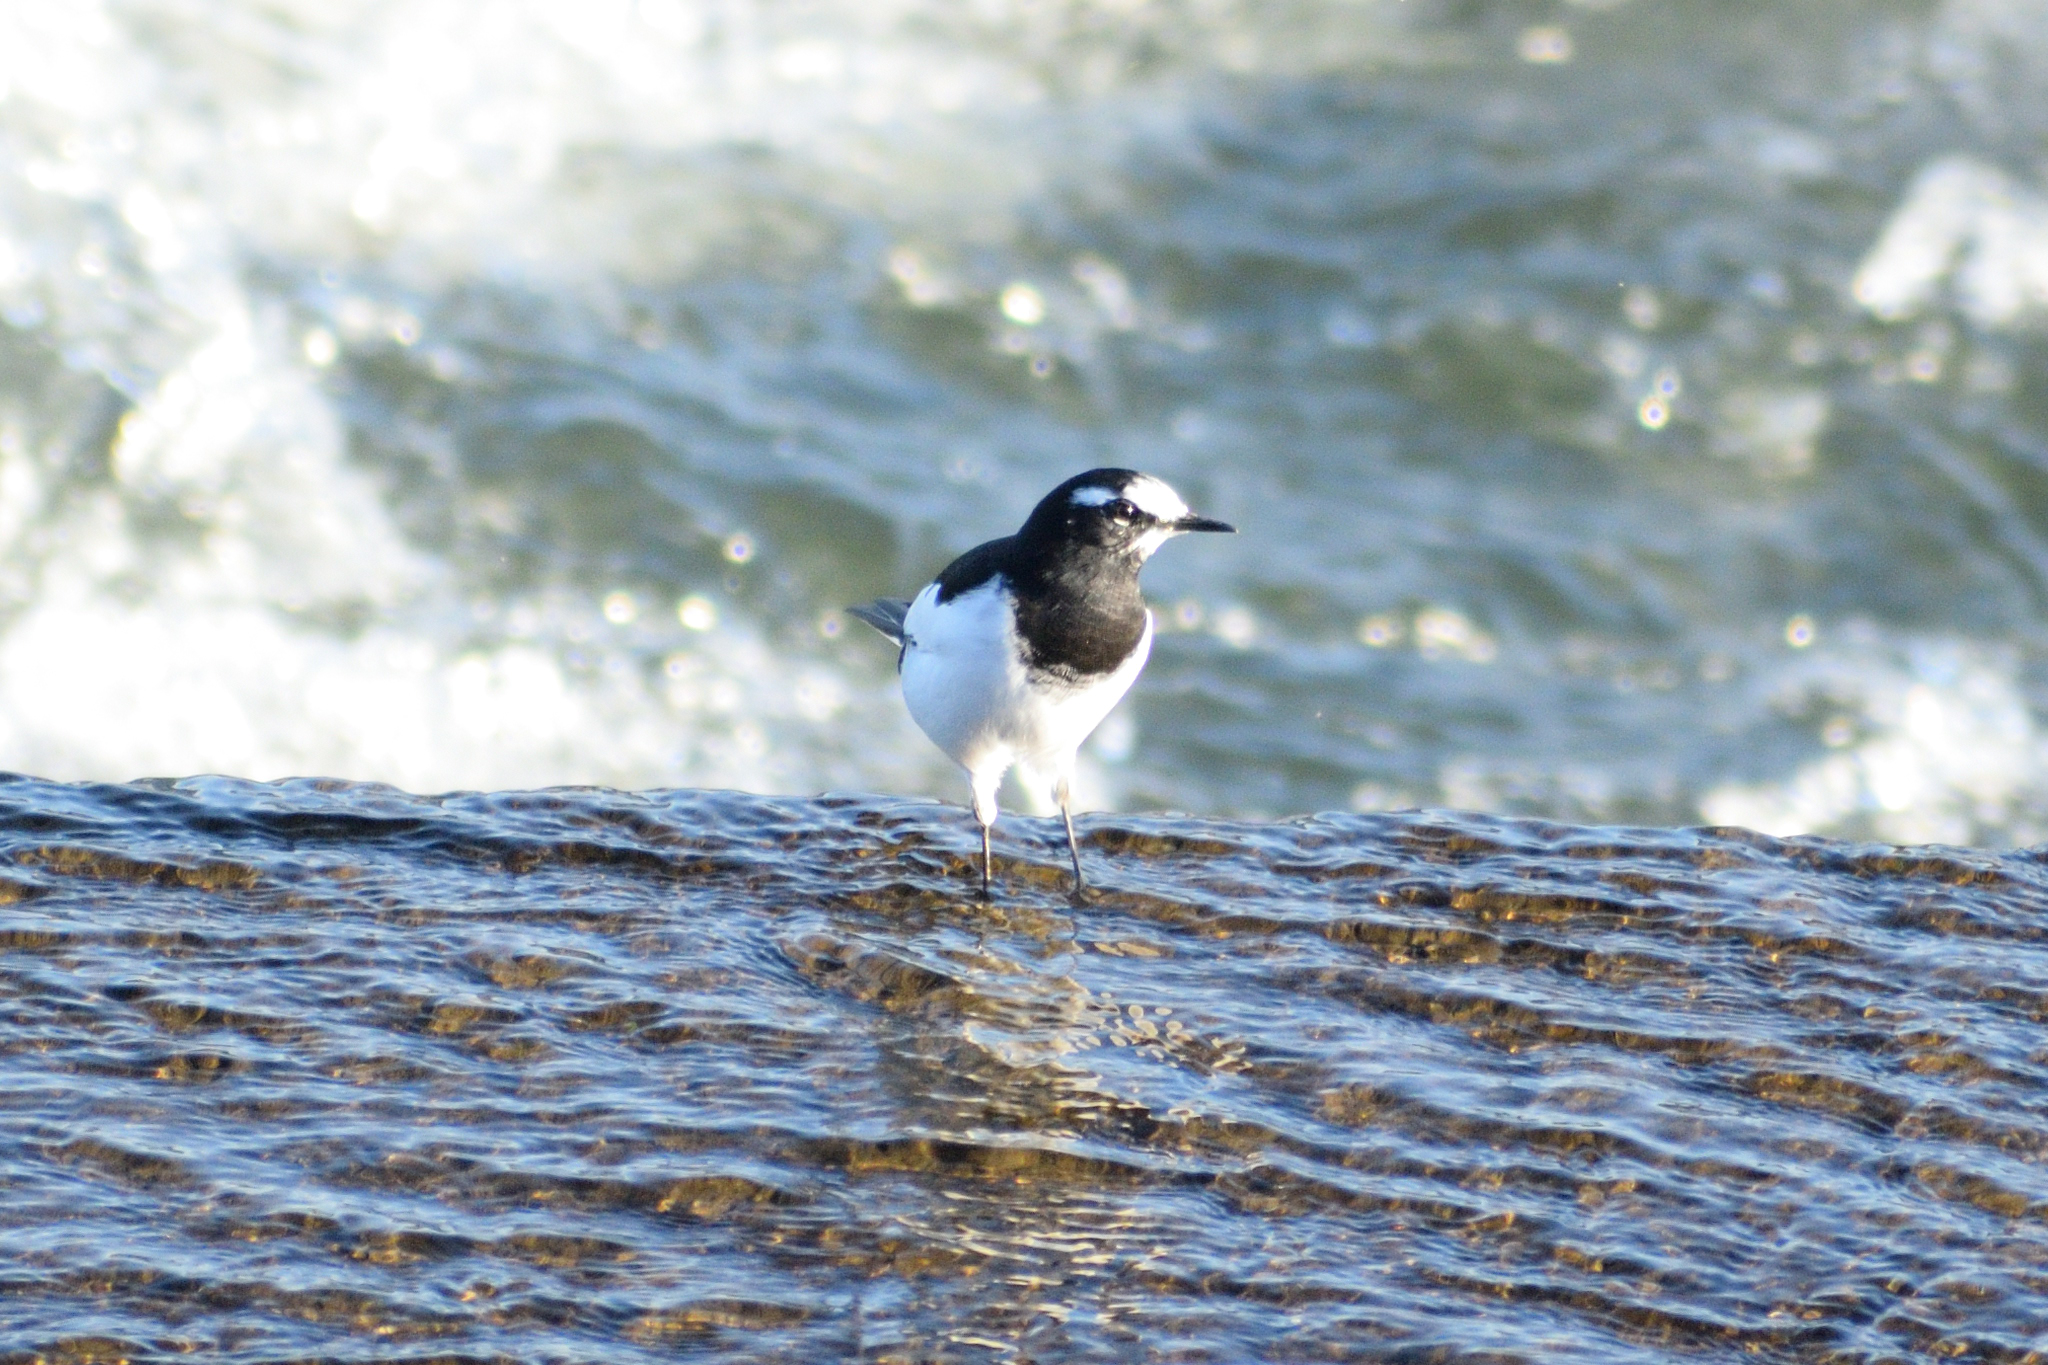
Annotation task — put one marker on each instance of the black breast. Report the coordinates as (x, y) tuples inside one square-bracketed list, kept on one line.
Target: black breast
[(1079, 612)]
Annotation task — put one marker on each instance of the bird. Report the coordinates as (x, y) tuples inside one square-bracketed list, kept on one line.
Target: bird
[(1021, 646)]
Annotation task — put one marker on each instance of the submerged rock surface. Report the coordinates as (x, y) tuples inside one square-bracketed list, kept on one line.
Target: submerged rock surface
[(318, 1070)]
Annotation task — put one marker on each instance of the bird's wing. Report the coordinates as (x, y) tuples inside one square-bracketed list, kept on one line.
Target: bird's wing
[(884, 614)]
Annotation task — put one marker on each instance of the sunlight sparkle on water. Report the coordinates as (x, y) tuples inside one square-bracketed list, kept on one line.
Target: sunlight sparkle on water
[(1023, 305), (696, 613), (320, 347), (1379, 631), (923, 287), (1441, 632), (1236, 627), (1545, 44)]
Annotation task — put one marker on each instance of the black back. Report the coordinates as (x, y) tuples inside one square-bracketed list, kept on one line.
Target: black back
[(1072, 572)]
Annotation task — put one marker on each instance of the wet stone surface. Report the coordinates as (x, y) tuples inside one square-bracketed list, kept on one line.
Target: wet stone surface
[(325, 1071)]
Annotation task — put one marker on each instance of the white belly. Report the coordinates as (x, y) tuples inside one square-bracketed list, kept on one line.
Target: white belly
[(965, 684)]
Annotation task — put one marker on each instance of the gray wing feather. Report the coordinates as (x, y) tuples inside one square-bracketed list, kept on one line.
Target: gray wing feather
[(884, 614)]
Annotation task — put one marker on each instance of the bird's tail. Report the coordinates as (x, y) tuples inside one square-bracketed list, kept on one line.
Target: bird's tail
[(884, 614)]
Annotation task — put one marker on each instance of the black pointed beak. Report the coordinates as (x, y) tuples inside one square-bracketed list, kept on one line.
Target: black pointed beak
[(1194, 523)]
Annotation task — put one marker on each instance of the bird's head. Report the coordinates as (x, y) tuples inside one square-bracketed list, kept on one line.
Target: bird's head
[(1117, 510)]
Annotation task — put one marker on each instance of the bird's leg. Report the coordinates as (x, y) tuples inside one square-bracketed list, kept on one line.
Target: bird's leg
[(984, 785), (1064, 792)]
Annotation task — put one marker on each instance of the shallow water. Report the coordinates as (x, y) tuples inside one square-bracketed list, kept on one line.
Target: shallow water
[(1635, 411), (320, 1071)]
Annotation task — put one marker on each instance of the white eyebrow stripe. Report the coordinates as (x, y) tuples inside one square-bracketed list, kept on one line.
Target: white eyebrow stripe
[(1148, 494), (1156, 499)]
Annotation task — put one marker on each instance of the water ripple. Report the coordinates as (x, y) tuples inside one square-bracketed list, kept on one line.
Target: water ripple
[(312, 1069)]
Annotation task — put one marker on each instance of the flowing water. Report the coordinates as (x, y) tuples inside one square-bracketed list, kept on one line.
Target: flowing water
[(316, 1071), (1636, 412)]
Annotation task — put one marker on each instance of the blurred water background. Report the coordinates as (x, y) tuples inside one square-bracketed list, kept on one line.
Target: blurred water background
[(1636, 411)]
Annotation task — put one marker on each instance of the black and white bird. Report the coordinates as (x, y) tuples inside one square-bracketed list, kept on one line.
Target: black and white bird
[(1016, 652)]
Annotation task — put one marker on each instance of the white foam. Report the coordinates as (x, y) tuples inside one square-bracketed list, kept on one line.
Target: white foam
[(137, 657), (193, 612), (1950, 753), (1969, 225)]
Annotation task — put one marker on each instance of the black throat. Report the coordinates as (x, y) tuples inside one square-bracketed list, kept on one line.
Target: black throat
[(1079, 612)]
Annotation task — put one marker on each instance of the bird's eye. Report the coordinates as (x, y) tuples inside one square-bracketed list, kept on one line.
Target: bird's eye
[(1123, 509)]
